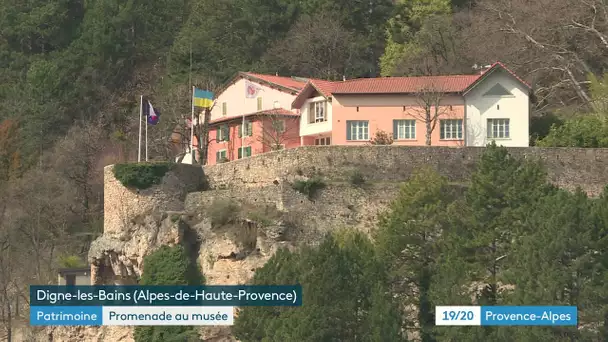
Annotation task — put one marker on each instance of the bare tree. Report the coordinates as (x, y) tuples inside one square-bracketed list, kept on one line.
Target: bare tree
[(429, 107), (76, 159), (202, 136), (316, 46), (278, 130), (556, 44), (6, 278), (434, 50)]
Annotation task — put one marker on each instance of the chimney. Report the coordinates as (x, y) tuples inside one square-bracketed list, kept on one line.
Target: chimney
[(276, 73), (343, 77), (481, 68)]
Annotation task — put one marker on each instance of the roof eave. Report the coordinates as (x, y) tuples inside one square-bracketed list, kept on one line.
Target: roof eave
[(260, 80), (393, 93), (243, 74), (297, 100), (239, 118), (495, 67)]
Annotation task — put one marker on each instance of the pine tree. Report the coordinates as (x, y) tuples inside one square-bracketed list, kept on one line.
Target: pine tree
[(484, 225), (345, 297), (169, 266), (407, 242)]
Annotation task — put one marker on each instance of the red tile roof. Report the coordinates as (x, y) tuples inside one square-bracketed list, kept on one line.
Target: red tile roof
[(276, 111), (388, 85), (326, 88), (392, 85), (287, 82)]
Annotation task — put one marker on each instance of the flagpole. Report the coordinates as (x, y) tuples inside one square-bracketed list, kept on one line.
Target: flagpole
[(243, 136), (192, 129), (146, 139), (141, 113)]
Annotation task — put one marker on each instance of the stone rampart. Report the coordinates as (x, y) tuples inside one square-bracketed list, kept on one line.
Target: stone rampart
[(566, 167), (122, 205)]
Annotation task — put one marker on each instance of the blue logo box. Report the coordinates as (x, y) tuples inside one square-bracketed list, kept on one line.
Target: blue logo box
[(529, 315)]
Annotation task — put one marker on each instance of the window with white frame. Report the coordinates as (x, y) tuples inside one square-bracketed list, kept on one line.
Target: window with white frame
[(318, 111), (357, 130), (451, 129), (244, 152), (404, 129), (323, 141), (222, 133), (498, 128), (221, 156), (248, 129)]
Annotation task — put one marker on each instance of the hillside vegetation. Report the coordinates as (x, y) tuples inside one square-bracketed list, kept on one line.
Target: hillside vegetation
[(72, 71)]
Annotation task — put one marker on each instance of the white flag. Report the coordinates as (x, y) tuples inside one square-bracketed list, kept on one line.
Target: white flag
[(251, 90)]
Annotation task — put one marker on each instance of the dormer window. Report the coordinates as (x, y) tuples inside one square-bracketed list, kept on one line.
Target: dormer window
[(318, 112)]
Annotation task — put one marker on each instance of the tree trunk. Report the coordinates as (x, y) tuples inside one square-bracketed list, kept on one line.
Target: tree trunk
[(203, 141), (429, 130)]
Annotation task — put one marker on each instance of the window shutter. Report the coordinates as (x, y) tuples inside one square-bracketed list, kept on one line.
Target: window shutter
[(325, 114), (217, 156), (226, 133), (217, 134), (249, 128), (311, 113), (259, 103), (248, 151), (240, 131), (240, 152), (395, 129), (348, 137)]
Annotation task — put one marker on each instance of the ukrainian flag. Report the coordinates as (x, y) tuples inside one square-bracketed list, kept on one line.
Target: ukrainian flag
[(203, 98)]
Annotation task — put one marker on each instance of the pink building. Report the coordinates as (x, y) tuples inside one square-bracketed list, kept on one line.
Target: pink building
[(457, 110), (461, 110), (264, 131), (250, 117)]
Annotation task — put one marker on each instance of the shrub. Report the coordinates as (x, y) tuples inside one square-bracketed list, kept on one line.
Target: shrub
[(141, 175), (309, 187), (587, 131), (356, 178), (223, 211), (259, 218), (71, 261), (382, 138), (169, 266)]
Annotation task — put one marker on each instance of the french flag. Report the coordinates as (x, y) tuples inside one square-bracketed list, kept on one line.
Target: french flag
[(152, 115)]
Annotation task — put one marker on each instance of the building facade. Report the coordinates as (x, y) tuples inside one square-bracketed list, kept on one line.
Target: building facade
[(250, 115), (459, 110)]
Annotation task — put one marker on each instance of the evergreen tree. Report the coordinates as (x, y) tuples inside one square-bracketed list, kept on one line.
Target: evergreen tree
[(555, 264), (484, 225), (407, 241), (345, 297), (169, 266)]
